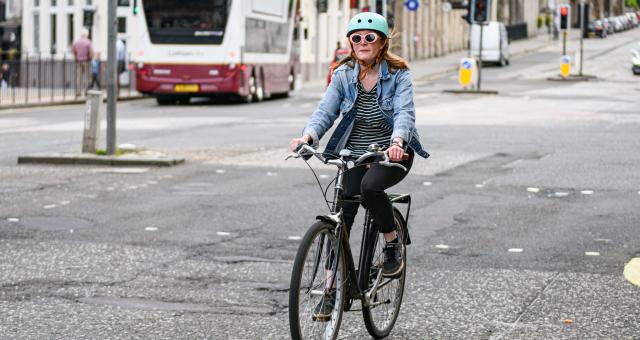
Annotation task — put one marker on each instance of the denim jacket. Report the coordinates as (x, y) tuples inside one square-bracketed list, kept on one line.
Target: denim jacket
[(395, 98)]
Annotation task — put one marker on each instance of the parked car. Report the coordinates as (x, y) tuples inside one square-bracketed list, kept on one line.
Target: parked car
[(633, 18), (338, 55), (495, 43), (596, 28), (608, 26), (635, 61), (618, 26)]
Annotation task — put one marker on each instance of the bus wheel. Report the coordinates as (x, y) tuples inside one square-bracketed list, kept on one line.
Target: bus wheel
[(257, 88), (165, 100)]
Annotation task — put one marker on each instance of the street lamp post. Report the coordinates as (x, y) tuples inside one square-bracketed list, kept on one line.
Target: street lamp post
[(112, 27), (581, 34)]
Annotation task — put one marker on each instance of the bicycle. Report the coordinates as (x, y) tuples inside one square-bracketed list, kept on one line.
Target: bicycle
[(324, 260)]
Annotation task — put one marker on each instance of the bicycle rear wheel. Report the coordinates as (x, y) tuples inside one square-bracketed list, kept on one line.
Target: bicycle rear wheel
[(313, 270), (381, 315)]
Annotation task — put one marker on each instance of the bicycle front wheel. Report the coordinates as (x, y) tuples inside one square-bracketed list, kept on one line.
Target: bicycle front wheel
[(317, 265), (384, 306)]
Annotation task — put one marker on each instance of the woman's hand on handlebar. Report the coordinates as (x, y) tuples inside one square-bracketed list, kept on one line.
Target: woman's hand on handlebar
[(297, 141), (395, 151)]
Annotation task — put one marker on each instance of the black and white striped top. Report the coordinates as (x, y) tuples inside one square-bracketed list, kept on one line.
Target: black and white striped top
[(369, 126)]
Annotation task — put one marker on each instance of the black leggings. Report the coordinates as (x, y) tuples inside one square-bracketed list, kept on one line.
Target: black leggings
[(371, 183)]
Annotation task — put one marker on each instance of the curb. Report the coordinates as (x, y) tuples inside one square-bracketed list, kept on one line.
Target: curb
[(490, 92), (632, 271), (573, 78), (90, 159), (62, 103)]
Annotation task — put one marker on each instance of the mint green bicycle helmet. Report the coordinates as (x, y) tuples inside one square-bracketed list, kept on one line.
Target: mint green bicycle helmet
[(368, 21)]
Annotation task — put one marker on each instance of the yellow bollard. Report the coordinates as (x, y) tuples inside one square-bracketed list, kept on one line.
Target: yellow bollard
[(565, 66), (467, 72)]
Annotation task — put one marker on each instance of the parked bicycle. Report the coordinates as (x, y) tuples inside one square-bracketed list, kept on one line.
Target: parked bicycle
[(324, 269)]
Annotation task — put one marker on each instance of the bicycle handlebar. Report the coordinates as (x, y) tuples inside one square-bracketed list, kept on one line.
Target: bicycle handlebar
[(338, 162)]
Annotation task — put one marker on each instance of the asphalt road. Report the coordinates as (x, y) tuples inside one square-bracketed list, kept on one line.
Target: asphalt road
[(522, 220)]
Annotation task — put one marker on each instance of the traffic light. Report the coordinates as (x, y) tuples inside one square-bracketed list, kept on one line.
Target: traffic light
[(564, 17), (480, 11), (467, 17), (136, 9)]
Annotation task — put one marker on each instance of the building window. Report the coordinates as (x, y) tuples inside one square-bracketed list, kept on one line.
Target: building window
[(54, 3), (122, 25), (70, 30), (89, 2), (54, 38), (36, 3), (70, 2), (36, 32), (124, 3)]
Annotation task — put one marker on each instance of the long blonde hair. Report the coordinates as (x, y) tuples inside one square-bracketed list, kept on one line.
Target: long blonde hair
[(395, 61)]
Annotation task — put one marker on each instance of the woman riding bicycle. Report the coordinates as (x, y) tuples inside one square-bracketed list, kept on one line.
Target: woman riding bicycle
[(373, 91)]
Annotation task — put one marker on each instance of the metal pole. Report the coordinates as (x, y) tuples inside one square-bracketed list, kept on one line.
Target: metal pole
[(318, 66), (581, 34), (112, 28), (480, 57), (564, 43)]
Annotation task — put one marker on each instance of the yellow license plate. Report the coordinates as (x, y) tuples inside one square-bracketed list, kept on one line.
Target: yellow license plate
[(187, 88)]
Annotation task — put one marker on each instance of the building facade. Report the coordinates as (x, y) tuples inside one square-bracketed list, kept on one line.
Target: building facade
[(10, 28), (50, 27)]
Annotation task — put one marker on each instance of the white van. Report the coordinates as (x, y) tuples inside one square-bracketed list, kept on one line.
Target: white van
[(495, 43)]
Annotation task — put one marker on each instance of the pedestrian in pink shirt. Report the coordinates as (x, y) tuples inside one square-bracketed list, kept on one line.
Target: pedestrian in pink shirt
[(83, 53)]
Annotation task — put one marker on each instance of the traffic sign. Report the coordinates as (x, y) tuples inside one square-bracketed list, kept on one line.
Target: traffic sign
[(565, 66), (446, 7), (412, 5), (467, 73)]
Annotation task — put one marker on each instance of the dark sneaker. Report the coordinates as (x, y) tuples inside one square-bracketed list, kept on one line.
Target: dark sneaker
[(324, 308), (393, 262)]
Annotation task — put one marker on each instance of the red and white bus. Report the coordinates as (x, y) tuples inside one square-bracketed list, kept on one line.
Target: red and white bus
[(201, 48)]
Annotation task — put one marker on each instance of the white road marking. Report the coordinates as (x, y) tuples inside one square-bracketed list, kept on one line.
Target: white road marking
[(515, 250), (123, 170), (272, 173), (324, 176), (294, 238), (442, 246), (151, 229), (71, 231), (587, 192), (427, 184), (13, 219), (220, 171), (560, 194), (223, 233), (64, 202), (592, 253), (531, 189), (479, 185), (152, 182), (50, 206)]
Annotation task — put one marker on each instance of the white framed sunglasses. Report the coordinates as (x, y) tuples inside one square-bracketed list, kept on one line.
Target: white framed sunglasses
[(370, 38)]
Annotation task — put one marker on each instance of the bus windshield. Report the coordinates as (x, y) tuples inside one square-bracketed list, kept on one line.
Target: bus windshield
[(186, 21)]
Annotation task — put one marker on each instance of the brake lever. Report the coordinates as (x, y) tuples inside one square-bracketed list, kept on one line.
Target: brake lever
[(397, 165), (386, 162), (292, 155)]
